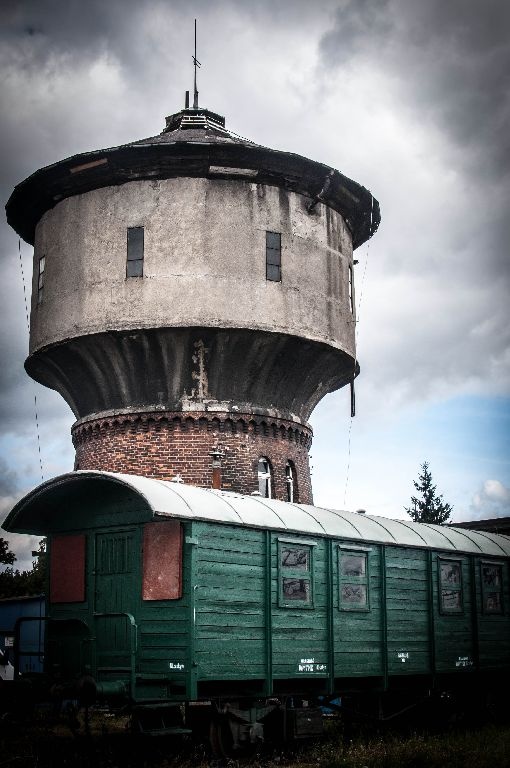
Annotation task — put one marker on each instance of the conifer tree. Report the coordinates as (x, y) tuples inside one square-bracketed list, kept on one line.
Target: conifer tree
[(429, 507), (6, 556), (16, 583)]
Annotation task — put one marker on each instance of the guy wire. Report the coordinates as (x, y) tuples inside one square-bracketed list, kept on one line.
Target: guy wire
[(356, 321), (28, 328)]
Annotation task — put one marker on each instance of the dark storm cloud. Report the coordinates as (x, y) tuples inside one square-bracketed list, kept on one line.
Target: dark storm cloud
[(446, 68), (13, 330), (42, 47), (450, 60), (50, 32), (39, 30), (8, 479)]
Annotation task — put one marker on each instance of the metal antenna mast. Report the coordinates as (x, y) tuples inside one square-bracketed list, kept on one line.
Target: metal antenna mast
[(196, 64)]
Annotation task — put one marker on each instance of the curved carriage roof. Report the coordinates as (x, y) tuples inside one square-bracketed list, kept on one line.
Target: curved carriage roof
[(163, 498)]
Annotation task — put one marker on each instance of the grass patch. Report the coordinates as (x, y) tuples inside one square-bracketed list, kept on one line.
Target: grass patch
[(488, 747)]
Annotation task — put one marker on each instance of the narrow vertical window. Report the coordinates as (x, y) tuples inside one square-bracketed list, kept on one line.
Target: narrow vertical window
[(351, 289), (353, 580), (450, 586), (273, 256), (492, 588), (290, 477), (265, 478), (134, 265), (40, 279)]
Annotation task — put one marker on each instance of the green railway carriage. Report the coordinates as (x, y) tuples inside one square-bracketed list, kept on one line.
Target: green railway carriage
[(172, 594)]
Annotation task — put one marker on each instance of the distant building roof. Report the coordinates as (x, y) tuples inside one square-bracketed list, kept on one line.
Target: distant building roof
[(494, 525), (21, 598), (52, 501)]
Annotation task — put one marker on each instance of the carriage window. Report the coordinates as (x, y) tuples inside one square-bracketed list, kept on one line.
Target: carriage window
[(162, 561), (295, 557), (295, 574), (450, 586), (67, 569), (353, 580), (492, 588)]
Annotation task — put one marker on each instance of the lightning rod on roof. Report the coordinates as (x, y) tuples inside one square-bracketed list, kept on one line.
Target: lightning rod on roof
[(196, 64)]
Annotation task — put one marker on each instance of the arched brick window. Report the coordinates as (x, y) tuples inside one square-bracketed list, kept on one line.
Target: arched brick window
[(291, 480), (265, 477)]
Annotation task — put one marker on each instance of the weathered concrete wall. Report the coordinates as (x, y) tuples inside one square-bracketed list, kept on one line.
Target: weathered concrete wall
[(204, 262), (187, 369)]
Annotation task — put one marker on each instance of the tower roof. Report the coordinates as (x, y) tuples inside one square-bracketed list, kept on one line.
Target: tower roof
[(194, 143)]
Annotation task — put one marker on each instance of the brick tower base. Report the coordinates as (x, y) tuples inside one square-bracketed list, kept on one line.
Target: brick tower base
[(170, 444)]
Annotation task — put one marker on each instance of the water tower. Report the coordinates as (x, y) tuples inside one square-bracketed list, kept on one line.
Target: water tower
[(192, 301)]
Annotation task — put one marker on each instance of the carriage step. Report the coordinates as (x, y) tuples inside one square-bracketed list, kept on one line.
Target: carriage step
[(158, 720), (170, 731)]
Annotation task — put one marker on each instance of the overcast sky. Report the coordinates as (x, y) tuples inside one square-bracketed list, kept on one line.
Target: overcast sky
[(409, 98)]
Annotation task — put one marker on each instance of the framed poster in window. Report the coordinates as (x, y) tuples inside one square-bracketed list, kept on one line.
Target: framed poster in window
[(353, 580), (451, 599), (492, 587), (295, 574)]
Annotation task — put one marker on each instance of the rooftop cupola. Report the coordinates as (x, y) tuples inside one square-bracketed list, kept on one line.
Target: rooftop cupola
[(195, 118)]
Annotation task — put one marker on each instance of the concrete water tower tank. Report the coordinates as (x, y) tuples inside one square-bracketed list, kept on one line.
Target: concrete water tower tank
[(192, 301)]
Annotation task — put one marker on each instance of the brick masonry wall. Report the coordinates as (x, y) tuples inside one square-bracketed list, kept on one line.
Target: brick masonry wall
[(164, 445)]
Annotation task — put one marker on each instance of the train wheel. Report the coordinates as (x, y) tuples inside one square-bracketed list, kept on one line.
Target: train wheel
[(220, 737)]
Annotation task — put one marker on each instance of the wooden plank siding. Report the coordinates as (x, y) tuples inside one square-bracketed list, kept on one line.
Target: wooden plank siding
[(162, 628), (407, 611), (232, 626), (493, 629), (164, 639), (357, 636), (233, 622), (300, 630), (229, 584), (454, 632)]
